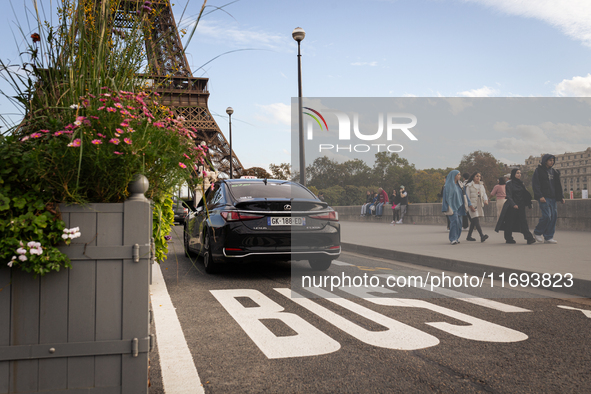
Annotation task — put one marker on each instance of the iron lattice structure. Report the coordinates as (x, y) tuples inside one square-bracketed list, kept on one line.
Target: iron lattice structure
[(186, 95)]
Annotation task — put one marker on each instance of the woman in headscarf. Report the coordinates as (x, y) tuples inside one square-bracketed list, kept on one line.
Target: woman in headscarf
[(512, 217), (453, 205)]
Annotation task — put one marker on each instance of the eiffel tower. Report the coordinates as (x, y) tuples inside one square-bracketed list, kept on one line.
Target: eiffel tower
[(186, 95)]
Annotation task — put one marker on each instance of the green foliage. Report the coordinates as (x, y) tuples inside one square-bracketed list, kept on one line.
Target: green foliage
[(281, 171), (88, 129), (27, 216), (163, 219), (485, 163), (258, 172), (92, 153), (428, 185)]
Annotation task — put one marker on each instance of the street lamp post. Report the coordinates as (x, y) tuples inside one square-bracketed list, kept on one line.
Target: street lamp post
[(298, 34), (230, 111)]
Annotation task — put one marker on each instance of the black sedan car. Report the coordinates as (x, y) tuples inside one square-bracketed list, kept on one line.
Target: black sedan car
[(245, 220)]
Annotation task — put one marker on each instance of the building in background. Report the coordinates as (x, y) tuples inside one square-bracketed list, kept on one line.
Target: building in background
[(575, 169)]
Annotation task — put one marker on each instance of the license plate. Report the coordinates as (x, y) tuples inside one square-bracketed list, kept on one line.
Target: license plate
[(286, 221)]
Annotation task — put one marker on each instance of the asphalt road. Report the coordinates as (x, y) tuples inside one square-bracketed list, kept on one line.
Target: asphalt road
[(247, 336)]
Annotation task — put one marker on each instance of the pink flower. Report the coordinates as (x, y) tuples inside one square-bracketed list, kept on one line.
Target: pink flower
[(114, 141), (44, 131), (127, 141), (101, 135), (187, 156), (96, 142), (76, 143), (94, 117), (118, 105), (103, 100), (130, 107), (58, 133), (182, 165), (101, 108), (111, 109), (36, 135), (130, 130), (117, 153), (124, 124), (119, 131)]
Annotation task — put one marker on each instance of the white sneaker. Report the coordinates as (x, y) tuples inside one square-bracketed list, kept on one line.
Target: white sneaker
[(399, 222), (551, 241), (538, 238), (454, 242)]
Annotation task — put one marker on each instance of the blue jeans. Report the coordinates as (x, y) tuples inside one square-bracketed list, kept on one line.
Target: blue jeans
[(547, 224), (379, 209), (455, 226)]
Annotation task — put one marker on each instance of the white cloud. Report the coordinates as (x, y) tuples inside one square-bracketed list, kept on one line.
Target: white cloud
[(571, 17), (535, 139), (275, 113), (575, 87), (372, 64), (484, 91), (234, 36), (405, 94)]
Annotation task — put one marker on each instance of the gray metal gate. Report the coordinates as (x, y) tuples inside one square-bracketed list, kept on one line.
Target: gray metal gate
[(84, 330)]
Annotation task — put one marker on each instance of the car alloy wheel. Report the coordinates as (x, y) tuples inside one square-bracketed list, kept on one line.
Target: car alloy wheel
[(208, 261), (186, 237)]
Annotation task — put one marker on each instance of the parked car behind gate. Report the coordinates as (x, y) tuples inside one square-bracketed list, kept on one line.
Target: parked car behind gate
[(180, 210), (246, 220)]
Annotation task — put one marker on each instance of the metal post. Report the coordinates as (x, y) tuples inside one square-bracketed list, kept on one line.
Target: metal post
[(301, 121), (231, 151), (230, 111)]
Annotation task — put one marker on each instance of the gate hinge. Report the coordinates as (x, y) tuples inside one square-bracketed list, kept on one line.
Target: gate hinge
[(134, 347), (136, 253)]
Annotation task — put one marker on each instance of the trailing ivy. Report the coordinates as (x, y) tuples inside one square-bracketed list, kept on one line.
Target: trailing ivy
[(163, 218)]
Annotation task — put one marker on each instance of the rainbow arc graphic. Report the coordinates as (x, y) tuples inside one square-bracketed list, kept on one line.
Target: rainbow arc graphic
[(315, 118)]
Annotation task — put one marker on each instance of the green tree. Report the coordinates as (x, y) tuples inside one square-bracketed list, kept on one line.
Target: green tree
[(427, 185), (259, 172), (485, 163), (281, 171)]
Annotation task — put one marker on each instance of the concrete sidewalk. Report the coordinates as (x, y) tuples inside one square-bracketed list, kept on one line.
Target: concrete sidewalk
[(429, 245)]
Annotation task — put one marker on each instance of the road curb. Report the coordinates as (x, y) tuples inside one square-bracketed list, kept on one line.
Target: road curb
[(580, 288)]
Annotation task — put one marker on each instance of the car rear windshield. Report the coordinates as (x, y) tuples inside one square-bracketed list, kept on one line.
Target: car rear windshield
[(247, 190)]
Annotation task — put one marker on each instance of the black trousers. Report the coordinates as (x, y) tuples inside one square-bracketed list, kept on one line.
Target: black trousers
[(517, 220), (475, 224)]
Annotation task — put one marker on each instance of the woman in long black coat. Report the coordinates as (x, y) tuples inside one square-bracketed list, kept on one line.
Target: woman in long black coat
[(512, 217)]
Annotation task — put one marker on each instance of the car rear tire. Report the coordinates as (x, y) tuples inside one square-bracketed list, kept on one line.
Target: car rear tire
[(320, 263), (211, 267), (186, 237)]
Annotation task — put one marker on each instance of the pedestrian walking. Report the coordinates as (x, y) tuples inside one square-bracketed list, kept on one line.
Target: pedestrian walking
[(512, 217), (499, 192), (403, 203), (477, 195), (547, 190), (453, 205)]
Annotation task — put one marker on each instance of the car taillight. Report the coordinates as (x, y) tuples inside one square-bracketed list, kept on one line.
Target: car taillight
[(333, 215), (232, 216), (186, 210)]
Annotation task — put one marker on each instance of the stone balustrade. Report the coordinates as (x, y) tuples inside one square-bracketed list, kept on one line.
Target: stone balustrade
[(574, 215)]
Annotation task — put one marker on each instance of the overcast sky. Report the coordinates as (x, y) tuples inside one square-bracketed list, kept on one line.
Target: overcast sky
[(379, 48)]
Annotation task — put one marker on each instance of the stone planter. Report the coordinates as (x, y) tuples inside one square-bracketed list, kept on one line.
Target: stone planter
[(84, 330)]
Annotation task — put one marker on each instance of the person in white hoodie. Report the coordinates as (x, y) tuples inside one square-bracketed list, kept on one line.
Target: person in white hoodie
[(477, 194)]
